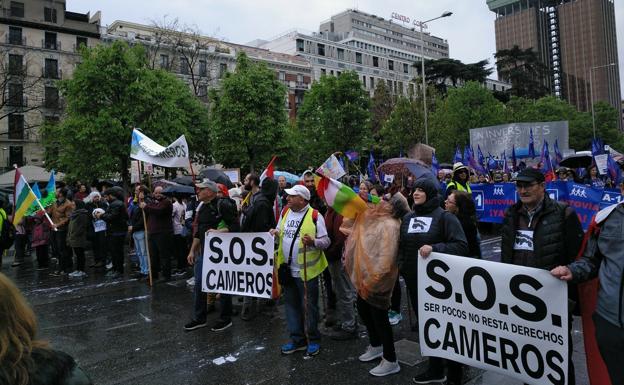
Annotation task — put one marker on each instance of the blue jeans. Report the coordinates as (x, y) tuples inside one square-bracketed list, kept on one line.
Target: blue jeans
[(293, 298), (200, 298), (141, 250)]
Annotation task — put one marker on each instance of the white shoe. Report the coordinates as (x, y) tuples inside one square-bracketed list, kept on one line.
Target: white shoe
[(371, 353), (385, 368), (74, 274)]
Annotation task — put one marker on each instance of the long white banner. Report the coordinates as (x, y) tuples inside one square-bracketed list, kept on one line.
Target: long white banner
[(500, 317), (174, 155), (238, 263)]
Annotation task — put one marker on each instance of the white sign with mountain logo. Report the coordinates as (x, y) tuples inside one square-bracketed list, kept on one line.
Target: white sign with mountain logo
[(419, 225)]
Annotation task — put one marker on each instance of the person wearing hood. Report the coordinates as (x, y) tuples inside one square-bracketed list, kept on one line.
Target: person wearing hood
[(78, 228), (98, 240), (116, 218), (258, 217), (460, 180), (429, 228)]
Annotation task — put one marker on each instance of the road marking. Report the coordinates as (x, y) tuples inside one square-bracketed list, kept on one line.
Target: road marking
[(120, 326)]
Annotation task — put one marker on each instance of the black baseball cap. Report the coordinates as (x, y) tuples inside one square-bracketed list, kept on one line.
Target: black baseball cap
[(530, 175)]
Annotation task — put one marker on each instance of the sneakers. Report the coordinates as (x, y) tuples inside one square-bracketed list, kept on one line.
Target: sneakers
[(371, 353), (109, 266), (194, 325), (428, 378), (16, 263), (394, 317), (221, 325), (385, 368), (78, 274), (112, 274), (58, 273), (291, 347), (313, 349)]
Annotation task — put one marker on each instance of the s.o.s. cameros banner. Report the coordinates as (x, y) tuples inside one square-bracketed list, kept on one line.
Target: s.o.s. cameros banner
[(500, 317), (238, 263)]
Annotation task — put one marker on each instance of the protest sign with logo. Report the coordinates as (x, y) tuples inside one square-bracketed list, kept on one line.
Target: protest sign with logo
[(331, 168), (601, 163), (174, 155), (238, 263), (500, 317)]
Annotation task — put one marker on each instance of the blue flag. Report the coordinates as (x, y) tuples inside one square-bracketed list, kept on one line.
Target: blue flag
[(435, 166), (514, 164), (492, 165), (370, 169), (547, 167), (505, 164), (481, 157), (352, 155), (558, 155), (458, 155), (531, 145), (615, 173)]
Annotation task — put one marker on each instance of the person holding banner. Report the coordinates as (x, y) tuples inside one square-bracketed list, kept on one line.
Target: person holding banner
[(604, 257), (159, 212), (429, 228), (302, 239), (211, 216), (540, 232)]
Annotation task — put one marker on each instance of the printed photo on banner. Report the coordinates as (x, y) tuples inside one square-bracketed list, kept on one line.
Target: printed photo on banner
[(238, 263), (331, 168), (494, 316)]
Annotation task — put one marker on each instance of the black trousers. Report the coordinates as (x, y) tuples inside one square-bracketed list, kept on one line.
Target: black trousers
[(61, 251), (116, 247), (20, 247), (99, 246), (378, 327), (180, 251), (43, 259), (610, 340), (161, 252), (395, 301), (79, 252)]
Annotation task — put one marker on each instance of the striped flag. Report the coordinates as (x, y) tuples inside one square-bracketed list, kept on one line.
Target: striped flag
[(268, 172), (340, 197), (23, 197)]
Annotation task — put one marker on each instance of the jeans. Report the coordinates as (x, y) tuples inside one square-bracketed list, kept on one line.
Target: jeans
[(141, 250), (378, 327), (200, 298), (295, 315), (345, 296)]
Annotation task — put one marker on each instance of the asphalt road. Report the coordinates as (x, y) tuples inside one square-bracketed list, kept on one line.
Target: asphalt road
[(124, 332)]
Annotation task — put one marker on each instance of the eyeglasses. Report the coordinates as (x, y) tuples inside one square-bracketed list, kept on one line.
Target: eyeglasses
[(524, 185)]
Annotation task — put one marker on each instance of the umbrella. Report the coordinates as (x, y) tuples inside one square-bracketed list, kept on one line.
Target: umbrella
[(179, 190), (421, 171), (184, 180), (31, 173), (577, 161), (446, 166), (398, 166), (217, 176)]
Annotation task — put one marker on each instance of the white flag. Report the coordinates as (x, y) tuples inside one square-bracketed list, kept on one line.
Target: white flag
[(174, 155)]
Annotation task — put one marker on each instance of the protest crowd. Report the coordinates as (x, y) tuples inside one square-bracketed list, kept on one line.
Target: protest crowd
[(350, 244)]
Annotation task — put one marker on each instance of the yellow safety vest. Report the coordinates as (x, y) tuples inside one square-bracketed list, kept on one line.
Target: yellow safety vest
[(315, 258), (459, 187)]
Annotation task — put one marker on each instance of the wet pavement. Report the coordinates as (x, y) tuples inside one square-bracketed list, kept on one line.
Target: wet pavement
[(124, 332)]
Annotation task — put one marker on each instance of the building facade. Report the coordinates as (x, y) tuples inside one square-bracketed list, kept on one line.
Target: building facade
[(575, 40), (40, 45), (377, 49)]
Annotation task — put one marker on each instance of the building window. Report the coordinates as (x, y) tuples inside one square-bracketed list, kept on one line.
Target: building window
[(184, 66), (340, 54), (391, 65), (49, 14), (375, 61), (281, 75), (323, 72), (81, 41), (50, 41), (405, 68), (372, 82), (222, 70), (299, 45), (16, 94), (17, 9), (15, 36), (51, 97), (16, 155), (203, 69), (164, 62), (51, 69), (364, 81), (358, 58), (16, 126), (202, 92), (16, 64), (299, 78), (321, 49)]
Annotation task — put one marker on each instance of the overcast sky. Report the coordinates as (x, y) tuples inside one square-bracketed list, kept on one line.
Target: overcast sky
[(469, 31)]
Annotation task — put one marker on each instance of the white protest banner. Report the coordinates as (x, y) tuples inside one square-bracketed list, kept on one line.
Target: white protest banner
[(500, 317), (174, 155), (331, 168), (135, 175), (601, 163), (238, 263)]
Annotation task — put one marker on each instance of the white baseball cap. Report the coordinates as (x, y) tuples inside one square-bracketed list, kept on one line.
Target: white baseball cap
[(300, 190)]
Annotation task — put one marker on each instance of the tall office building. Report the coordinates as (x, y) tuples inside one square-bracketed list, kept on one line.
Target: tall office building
[(575, 39)]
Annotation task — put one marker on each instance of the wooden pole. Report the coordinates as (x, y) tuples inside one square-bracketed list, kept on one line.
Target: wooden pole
[(305, 293), (149, 259)]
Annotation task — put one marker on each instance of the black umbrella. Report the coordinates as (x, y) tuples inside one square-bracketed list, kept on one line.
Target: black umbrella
[(179, 190), (184, 180), (217, 176), (577, 161)]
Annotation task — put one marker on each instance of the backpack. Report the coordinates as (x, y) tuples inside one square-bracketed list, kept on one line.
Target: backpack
[(7, 235)]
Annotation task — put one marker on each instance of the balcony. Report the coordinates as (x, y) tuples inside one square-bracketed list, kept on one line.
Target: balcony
[(53, 45), (301, 85), (15, 40)]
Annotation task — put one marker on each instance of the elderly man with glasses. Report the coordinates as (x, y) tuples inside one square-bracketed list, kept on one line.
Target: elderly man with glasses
[(540, 232)]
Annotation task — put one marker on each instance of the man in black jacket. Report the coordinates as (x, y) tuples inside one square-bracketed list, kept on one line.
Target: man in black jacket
[(116, 218), (540, 232)]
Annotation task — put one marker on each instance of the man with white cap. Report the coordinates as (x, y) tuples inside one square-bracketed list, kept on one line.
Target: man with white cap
[(300, 258)]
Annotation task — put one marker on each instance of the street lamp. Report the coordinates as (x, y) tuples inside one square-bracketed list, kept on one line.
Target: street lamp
[(591, 92), (422, 68)]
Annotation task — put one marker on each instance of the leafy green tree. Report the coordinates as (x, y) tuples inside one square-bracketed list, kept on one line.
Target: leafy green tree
[(464, 108), (441, 71), (524, 70), (606, 117), (381, 106), (335, 116), (404, 128), (249, 118), (111, 92)]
